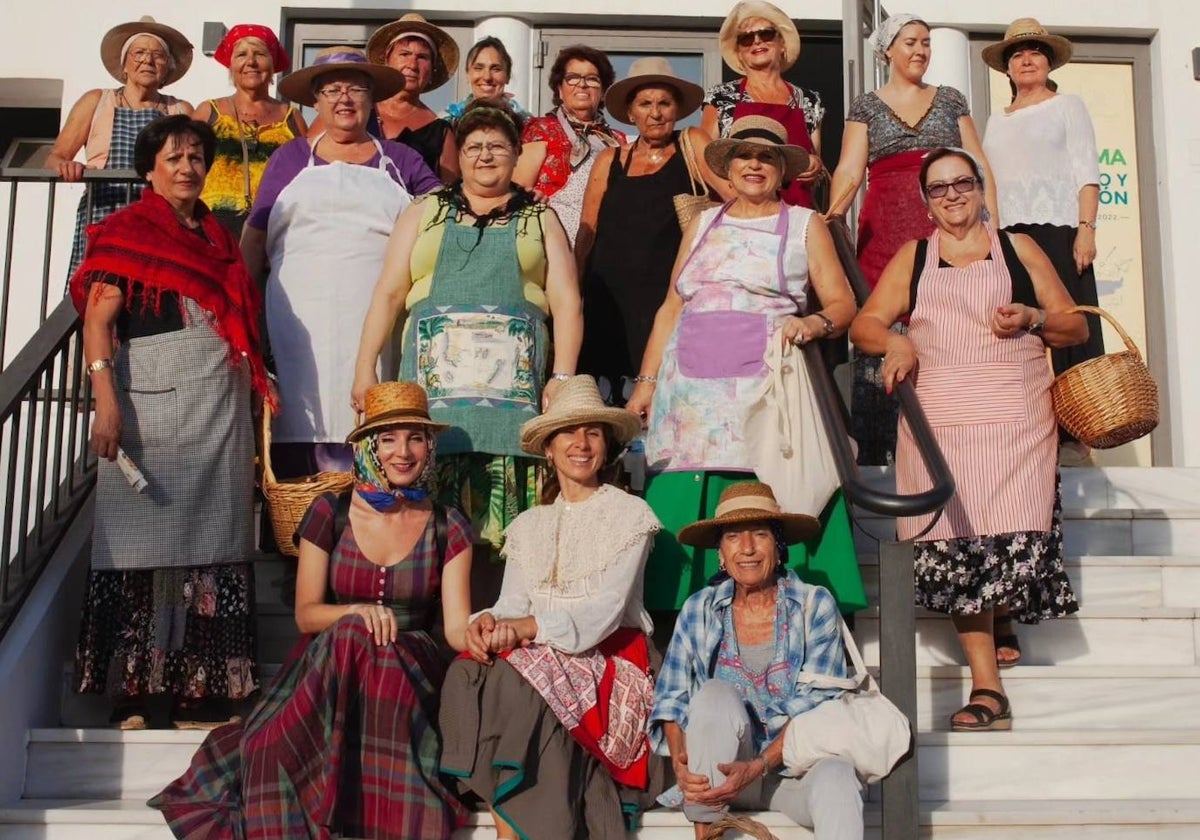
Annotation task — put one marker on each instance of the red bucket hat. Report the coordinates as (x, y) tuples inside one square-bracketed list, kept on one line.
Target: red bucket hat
[(282, 63)]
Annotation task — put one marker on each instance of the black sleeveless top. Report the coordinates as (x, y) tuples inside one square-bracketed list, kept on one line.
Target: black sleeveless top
[(427, 141), (1022, 283), (629, 268)]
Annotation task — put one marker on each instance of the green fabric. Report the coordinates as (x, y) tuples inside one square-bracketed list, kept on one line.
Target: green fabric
[(490, 490), (675, 571)]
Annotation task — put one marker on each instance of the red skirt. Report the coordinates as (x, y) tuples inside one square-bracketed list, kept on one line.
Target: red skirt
[(892, 212)]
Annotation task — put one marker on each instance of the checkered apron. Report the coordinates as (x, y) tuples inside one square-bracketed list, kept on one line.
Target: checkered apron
[(185, 421)]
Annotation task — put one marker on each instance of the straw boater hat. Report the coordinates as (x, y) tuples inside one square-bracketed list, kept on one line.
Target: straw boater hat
[(393, 404), (114, 39), (756, 131), (769, 12), (749, 501), (445, 50), (1027, 29), (298, 86), (656, 71), (578, 401)]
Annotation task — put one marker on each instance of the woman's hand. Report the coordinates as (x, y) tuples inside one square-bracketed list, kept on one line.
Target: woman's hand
[(380, 621), (1084, 248), (640, 401), (71, 170), (800, 331), (899, 360), (106, 430), (504, 637), (549, 391), (738, 776), (358, 391), (692, 785), (814, 169), (479, 638), (1012, 319)]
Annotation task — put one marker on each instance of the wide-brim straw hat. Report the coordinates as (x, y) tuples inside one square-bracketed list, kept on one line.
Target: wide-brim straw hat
[(445, 54), (298, 86), (767, 11), (756, 131), (576, 402), (181, 48), (394, 404), (1027, 29), (652, 71), (749, 501)]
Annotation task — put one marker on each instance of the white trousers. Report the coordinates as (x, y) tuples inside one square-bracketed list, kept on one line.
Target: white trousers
[(828, 798)]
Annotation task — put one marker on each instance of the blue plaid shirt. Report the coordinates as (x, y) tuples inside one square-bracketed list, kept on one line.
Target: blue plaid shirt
[(692, 655)]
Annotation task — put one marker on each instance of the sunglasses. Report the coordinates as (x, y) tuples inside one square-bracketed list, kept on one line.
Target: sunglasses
[(962, 186), (747, 39)]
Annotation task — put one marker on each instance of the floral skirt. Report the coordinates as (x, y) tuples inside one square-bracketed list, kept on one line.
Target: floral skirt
[(188, 632), (491, 490), (1023, 569)]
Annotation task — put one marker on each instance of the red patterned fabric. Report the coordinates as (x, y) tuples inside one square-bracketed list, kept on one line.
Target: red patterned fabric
[(556, 168), (892, 213)]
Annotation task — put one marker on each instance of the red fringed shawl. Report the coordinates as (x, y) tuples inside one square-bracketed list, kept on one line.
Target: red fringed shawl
[(145, 244)]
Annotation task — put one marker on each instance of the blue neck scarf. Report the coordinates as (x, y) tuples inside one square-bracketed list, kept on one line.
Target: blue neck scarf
[(370, 479)]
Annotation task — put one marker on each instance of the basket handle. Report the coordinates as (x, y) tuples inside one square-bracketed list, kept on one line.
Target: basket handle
[(268, 473), (1096, 310)]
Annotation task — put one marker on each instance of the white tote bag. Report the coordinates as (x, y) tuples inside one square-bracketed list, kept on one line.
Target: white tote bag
[(861, 725), (785, 436)]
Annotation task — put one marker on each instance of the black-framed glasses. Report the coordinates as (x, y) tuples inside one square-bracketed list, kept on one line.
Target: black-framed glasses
[(962, 186), (580, 80), (767, 35)]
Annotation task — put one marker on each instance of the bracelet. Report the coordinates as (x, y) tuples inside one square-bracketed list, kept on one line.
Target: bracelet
[(1085, 223), (559, 377), (649, 380), (829, 327), (99, 365)]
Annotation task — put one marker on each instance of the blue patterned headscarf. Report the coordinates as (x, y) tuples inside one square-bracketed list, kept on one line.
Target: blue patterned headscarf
[(370, 478)]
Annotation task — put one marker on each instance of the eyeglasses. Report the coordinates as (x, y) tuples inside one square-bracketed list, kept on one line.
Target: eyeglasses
[(962, 186), (471, 151), (747, 39), (356, 93), (144, 56), (580, 80)]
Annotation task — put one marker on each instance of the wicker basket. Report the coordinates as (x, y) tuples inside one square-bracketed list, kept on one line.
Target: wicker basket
[(690, 205), (747, 826), (288, 500), (1109, 400)]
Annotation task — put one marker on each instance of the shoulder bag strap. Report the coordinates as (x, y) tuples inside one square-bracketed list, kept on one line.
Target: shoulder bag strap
[(693, 168)]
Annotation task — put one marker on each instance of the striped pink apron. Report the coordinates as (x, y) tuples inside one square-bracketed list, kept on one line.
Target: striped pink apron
[(988, 400)]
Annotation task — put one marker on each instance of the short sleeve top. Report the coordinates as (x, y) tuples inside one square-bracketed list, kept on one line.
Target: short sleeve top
[(725, 98), (888, 135)]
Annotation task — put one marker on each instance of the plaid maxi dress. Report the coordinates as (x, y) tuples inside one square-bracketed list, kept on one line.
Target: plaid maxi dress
[(343, 743)]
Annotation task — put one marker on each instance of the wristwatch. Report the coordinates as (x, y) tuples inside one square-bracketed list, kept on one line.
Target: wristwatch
[(829, 327), (1039, 325)]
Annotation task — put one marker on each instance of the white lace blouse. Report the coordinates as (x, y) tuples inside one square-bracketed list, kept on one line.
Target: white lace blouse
[(1041, 156), (577, 568)]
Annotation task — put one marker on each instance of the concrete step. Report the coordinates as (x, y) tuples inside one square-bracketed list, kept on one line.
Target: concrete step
[(964, 820), (1022, 764)]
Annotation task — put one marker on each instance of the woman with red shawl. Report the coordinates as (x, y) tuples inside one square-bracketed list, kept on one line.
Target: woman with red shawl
[(170, 601)]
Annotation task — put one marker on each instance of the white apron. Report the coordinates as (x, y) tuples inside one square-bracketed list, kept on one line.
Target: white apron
[(326, 237)]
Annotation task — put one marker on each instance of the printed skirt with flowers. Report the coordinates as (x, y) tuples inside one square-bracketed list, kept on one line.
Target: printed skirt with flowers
[(1023, 569), (490, 489), (188, 632)]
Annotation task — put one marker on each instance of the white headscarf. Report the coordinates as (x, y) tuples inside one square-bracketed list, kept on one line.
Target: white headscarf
[(886, 32)]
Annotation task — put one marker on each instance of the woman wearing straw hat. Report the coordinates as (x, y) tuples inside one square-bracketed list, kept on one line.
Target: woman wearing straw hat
[(428, 57), (344, 738), (730, 684), (629, 234), (249, 124), (318, 231), (524, 720), (983, 306), (144, 56), (1043, 153), (759, 42), (743, 275), (889, 130)]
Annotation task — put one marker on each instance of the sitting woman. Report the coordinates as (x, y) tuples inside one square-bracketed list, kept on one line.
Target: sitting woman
[(730, 684), (551, 708), (344, 740)]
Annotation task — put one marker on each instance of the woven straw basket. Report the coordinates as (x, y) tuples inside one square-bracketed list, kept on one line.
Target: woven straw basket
[(747, 826), (288, 500), (690, 205), (1109, 400)]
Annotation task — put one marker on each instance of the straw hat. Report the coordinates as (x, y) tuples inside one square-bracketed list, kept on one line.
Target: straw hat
[(114, 39), (392, 404), (445, 49), (280, 61), (656, 71), (578, 401), (767, 11), (756, 131), (1027, 29), (749, 501), (298, 86)]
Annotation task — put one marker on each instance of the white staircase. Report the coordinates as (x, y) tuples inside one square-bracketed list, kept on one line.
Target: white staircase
[(1105, 744)]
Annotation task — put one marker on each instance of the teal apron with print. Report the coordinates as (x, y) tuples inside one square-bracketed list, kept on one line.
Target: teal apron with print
[(475, 344)]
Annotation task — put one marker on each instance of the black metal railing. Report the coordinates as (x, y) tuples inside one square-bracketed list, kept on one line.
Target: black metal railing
[(48, 470), (36, 228)]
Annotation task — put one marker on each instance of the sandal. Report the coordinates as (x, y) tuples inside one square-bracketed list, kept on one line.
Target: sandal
[(129, 716), (1006, 641), (203, 714), (985, 720)]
